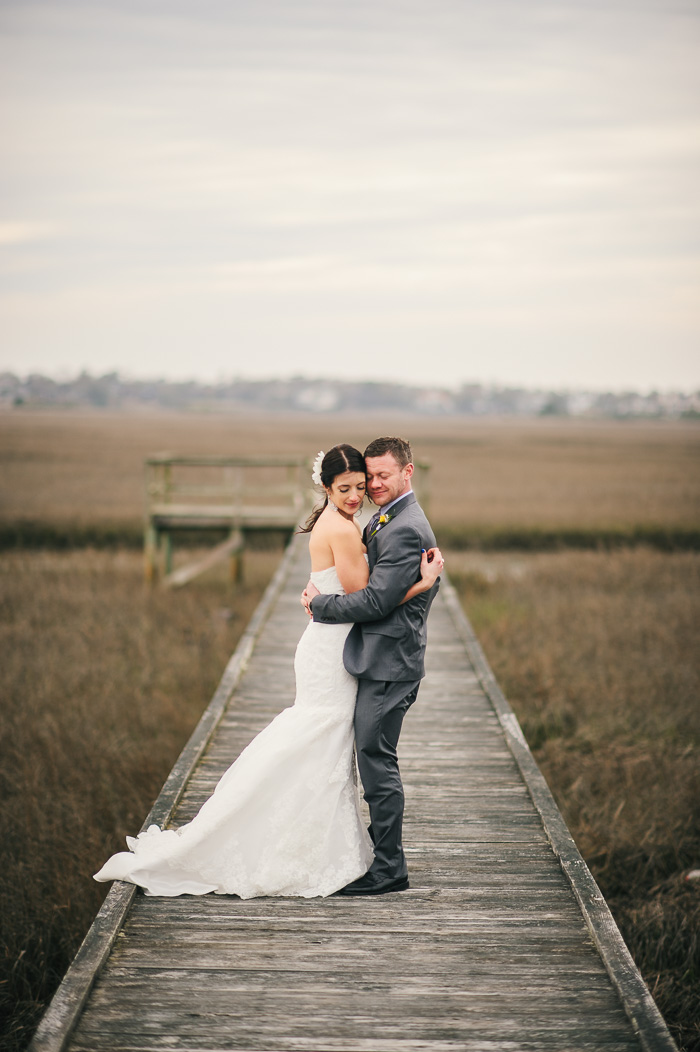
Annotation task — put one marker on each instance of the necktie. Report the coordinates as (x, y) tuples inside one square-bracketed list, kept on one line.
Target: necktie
[(372, 524)]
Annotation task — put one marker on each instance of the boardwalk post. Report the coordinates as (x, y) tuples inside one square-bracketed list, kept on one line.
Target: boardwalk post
[(236, 561), (150, 552), (167, 556), (422, 484)]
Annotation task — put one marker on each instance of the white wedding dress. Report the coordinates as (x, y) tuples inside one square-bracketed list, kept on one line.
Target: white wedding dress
[(285, 817)]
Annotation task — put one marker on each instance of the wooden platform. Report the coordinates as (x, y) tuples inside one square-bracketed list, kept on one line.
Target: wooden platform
[(239, 496), (502, 943)]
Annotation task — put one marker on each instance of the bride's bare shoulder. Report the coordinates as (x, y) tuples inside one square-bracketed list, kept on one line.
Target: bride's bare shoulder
[(332, 524), (334, 531)]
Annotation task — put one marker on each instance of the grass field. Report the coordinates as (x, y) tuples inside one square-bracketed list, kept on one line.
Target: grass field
[(103, 680), (508, 479)]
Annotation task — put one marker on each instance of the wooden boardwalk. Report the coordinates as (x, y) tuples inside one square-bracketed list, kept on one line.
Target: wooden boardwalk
[(502, 943)]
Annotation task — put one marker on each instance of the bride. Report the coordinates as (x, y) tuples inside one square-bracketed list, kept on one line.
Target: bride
[(285, 817)]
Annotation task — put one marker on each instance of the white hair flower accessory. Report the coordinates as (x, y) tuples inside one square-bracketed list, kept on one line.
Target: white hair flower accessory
[(316, 470)]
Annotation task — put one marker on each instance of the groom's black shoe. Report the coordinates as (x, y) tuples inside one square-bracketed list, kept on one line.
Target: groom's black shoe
[(372, 884)]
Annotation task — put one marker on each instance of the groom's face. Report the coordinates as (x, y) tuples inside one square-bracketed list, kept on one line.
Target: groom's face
[(386, 480)]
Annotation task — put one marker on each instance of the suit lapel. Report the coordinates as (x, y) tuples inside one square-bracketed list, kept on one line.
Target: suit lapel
[(394, 513), (404, 503)]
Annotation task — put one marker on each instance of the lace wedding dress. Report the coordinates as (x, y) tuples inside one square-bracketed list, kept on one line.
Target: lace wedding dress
[(285, 817)]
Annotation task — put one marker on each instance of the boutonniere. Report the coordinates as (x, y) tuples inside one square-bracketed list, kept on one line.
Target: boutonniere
[(381, 521)]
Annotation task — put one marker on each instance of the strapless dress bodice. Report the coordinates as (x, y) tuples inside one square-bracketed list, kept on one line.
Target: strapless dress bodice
[(327, 581)]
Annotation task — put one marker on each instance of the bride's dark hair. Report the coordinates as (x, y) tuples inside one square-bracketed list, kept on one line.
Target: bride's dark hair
[(336, 462)]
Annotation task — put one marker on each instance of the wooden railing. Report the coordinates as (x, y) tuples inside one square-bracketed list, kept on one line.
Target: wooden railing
[(237, 495)]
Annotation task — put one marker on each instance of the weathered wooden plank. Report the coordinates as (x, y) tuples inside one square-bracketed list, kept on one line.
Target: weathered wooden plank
[(396, 1041), (276, 1027), (192, 517)]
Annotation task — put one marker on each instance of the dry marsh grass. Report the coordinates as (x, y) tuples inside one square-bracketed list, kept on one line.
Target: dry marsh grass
[(87, 467), (102, 683), (598, 655)]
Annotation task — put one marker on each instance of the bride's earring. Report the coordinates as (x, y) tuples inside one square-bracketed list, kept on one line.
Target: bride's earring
[(331, 505)]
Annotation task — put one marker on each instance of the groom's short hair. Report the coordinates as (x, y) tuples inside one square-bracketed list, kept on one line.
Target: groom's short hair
[(398, 447)]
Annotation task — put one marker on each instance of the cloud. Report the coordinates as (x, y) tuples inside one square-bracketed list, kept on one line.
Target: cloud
[(17, 232), (488, 172)]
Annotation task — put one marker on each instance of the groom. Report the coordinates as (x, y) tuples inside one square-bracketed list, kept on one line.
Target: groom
[(384, 650)]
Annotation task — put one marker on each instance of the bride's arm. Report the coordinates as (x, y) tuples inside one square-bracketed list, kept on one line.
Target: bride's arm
[(431, 565), (349, 558)]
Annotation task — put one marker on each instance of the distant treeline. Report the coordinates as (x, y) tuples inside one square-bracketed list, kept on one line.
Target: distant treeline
[(113, 391)]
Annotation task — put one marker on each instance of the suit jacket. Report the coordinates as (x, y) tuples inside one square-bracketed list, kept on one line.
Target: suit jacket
[(387, 641)]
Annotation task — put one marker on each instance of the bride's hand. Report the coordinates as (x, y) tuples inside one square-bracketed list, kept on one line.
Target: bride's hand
[(431, 566), (309, 593)]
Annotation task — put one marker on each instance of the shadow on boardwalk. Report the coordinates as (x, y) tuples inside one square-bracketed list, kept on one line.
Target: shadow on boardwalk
[(503, 941)]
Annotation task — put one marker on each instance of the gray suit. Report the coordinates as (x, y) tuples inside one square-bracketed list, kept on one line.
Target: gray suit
[(385, 650)]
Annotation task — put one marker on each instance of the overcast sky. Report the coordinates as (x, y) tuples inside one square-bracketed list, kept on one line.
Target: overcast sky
[(437, 191)]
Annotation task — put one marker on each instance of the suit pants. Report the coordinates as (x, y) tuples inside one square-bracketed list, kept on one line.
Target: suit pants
[(379, 712)]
